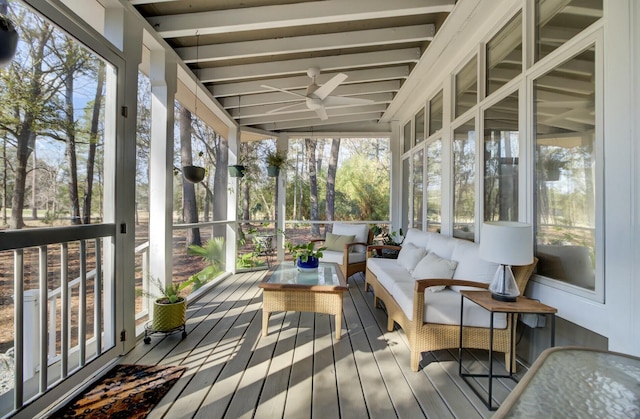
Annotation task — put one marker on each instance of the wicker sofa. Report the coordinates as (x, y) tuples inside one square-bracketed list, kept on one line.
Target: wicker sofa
[(431, 319)]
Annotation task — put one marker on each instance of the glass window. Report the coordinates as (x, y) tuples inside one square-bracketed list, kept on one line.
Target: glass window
[(466, 87), (419, 127), (418, 169), (464, 152), (407, 136), (434, 186), (557, 21), (501, 160), (504, 55), (435, 113), (564, 106)]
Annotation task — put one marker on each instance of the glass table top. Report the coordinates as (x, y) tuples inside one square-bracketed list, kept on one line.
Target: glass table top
[(578, 383), (286, 273)]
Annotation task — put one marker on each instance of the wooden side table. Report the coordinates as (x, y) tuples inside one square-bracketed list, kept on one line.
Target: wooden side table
[(522, 305)]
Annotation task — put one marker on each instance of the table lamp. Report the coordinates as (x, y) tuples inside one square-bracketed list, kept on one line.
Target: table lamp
[(506, 243)]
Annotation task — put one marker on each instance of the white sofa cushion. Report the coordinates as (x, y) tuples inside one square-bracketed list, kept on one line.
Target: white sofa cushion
[(442, 245), (361, 231), (336, 257), (433, 266), (471, 267), (410, 255), (416, 237), (442, 307)]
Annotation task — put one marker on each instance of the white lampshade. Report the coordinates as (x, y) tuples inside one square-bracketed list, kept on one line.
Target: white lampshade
[(507, 243)]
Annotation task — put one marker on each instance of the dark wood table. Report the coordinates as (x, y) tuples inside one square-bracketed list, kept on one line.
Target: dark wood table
[(522, 305)]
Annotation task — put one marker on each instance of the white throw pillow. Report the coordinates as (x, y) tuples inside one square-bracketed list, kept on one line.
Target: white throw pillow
[(433, 266), (410, 255)]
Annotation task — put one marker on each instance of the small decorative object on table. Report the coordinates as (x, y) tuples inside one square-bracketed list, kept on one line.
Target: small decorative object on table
[(305, 256)]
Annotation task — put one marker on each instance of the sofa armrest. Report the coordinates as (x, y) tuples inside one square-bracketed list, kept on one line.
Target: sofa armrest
[(373, 247), (316, 240), (422, 284)]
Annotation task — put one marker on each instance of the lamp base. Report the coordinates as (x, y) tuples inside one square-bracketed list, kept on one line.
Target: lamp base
[(503, 297)]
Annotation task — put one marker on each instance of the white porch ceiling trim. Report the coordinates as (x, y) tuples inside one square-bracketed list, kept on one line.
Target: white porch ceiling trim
[(300, 14)]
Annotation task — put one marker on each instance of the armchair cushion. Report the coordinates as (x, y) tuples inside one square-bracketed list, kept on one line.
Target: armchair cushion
[(337, 241), (337, 257), (410, 255), (360, 231), (433, 266)]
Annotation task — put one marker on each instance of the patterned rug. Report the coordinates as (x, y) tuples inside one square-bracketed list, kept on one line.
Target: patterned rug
[(126, 391)]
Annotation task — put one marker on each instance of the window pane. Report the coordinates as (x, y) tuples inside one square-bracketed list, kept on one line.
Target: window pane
[(418, 168), (434, 186), (464, 151), (557, 21), (435, 113), (501, 160), (419, 127), (407, 136), (504, 55), (466, 87), (565, 171)]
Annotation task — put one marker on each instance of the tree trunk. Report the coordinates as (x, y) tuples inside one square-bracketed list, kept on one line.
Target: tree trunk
[(93, 143), (25, 134), (220, 185), (313, 185), (331, 180), (70, 149), (189, 207)]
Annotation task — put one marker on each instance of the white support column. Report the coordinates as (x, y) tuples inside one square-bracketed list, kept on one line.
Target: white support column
[(282, 146), (232, 201), (122, 29), (395, 206), (163, 78)]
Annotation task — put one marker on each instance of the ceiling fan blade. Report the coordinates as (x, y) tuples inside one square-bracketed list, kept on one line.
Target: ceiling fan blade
[(302, 107), (326, 89), (341, 100), (277, 89), (322, 114)]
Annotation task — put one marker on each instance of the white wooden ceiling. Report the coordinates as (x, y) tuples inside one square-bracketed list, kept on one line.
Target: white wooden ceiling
[(236, 47)]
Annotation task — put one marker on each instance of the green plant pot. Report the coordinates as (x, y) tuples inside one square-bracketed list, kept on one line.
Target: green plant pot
[(167, 317), (273, 171), (236, 170)]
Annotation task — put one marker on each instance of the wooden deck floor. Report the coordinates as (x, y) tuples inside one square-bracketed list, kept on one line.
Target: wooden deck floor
[(299, 370)]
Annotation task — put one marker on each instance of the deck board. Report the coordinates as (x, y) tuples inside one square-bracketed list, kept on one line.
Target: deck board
[(300, 370)]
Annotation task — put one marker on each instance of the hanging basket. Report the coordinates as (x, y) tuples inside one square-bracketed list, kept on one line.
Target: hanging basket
[(8, 40), (193, 174), (236, 170), (273, 171)]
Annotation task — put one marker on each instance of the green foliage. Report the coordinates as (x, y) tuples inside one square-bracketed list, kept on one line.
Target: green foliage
[(275, 158), (172, 293), (213, 252), (304, 251), (249, 260), (364, 186)]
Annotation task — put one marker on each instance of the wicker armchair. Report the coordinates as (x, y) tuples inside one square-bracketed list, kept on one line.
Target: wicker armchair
[(352, 259), (426, 337)]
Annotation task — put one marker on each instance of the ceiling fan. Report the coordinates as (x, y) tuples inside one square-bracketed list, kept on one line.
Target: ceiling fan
[(318, 97)]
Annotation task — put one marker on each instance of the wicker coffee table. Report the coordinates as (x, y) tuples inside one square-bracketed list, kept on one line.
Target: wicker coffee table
[(285, 288)]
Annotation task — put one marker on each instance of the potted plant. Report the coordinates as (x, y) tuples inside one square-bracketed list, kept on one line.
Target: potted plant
[(306, 257), (193, 174), (393, 238), (169, 309), (275, 160), (236, 170)]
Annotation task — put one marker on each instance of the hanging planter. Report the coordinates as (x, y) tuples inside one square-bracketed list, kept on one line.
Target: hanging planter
[(8, 40), (193, 174), (275, 161), (236, 170)]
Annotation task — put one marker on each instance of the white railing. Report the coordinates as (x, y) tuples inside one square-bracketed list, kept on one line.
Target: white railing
[(36, 324)]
